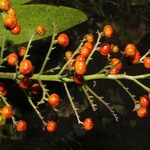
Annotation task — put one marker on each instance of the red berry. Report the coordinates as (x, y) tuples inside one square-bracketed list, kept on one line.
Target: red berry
[(51, 126), (80, 67), (147, 62), (71, 64), (130, 50), (11, 12), (88, 124), (26, 67), (12, 59), (40, 30), (116, 66), (35, 89), (54, 99), (21, 126), (89, 37), (63, 39), (16, 30), (78, 79), (7, 112), (136, 58), (104, 49), (85, 51), (3, 90), (89, 45), (80, 58), (25, 83), (144, 101), (108, 30), (22, 51), (142, 112), (10, 21), (4, 5)]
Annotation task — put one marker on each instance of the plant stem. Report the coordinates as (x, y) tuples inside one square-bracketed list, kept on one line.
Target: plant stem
[(100, 34), (35, 108), (48, 54), (148, 52), (28, 46), (72, 104)]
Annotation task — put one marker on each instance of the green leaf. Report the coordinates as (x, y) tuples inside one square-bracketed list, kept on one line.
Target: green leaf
[(30, 16), (18, 2)]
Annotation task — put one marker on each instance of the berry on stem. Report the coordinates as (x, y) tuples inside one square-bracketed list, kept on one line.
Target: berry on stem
[(7, 112), (16, 30), (26, 67), (21, 126), (142, 112), (10, 21), (88, 124), (51, 126), (40, 30), (130, 50), (3, 90), (4, 5), (108, 30), (147, 62), (12, 59), (104, 49), (54, 99), (22, 51), (80, 67), (63, 39), (89, 37)]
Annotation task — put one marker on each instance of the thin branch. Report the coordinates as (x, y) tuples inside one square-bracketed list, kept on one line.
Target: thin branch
[(107, 105), (72, 104), (90, 98), (146, 54)]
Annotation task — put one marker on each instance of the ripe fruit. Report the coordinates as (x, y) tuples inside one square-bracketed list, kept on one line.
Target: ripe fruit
[(12, 59), (26, 67), (16, 30), (7, 112), (88, 124), (22, 51), (108, 31), (25, 83), (54, 99), (35, 89), (104, 49), (3, 90), (142, 112), (89, 45), (40, 30), (78, 79), (147, 62), (80, 58), (2, 120), (21, 126), (80, 67), (89, 37), (130, 50), (4, 5), (68, 54), (11, 12), (144, 101), (51, 126), (10, 21), (136, 58), (85, 51), (116, 66), (63, 39)]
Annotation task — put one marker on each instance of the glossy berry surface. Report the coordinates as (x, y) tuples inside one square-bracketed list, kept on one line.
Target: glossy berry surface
[(144, 101), (130, 50), (10, 21), (142, 112), (108, 30), (51, 126), (54, 99), (88, 124), (80, 67), (40, 30), (63, 39), (147, 62), (12, 59), (21, 126), (22, 51), (26, 67), (16, 30), (7, 112), (35, 89), (104, 49)]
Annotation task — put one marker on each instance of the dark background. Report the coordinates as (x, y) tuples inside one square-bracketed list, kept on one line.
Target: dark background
[(131, 19)]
